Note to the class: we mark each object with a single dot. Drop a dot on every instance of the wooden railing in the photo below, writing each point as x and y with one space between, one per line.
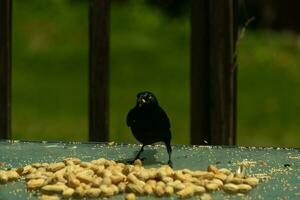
5 69
213 70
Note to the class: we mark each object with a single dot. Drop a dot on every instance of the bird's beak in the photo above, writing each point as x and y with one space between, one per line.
141 101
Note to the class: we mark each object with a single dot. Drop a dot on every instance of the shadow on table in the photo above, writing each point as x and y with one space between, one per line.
147 157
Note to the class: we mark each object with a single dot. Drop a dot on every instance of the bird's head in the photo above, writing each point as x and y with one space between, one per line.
146 99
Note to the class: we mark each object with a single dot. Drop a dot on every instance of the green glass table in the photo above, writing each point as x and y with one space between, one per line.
278 168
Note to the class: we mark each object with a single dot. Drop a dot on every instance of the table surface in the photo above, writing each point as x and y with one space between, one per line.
279 167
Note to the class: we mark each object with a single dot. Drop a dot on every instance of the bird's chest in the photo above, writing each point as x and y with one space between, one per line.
144 129
144 121
147 125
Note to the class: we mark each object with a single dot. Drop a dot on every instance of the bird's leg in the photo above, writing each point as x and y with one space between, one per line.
139 153
169 149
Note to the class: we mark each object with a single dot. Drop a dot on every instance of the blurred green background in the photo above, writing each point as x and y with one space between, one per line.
149 51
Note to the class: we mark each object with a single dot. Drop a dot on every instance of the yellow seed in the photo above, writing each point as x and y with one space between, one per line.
186 192
106 181
56 188
251 181
167 179
236 180
132 178
229 178
35 183
221 176
199 182
49 197
199 189
225 171
213 169
177 185
27 169
188 171
85 164
203 174
160 183
100 170
41 169
12 175
138 162
68 192
159 190
72 161
56 166
79 192
148 189
84 179
59 175
169 190
3 176
205 196
244 188
115 189
152 183
152 173
85 186
212 186
93 192
74 183
122 186
178 175
36 165
217 181
130 196
117 179
35 175
135 188
100 161
230 187
106 190
143 175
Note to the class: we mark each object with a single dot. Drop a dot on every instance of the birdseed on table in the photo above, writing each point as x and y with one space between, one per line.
105 178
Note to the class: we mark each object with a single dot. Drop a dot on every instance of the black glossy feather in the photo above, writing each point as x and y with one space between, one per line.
149 123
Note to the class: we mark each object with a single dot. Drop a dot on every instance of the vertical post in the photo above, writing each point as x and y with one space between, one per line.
235 66
5 69
200 129
98 70
222 71
215 71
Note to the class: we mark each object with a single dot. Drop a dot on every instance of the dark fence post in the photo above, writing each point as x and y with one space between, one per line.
5 69
213 72
200 122
98 70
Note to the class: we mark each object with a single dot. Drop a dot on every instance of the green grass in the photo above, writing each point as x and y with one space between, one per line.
49 71
268 108
148 52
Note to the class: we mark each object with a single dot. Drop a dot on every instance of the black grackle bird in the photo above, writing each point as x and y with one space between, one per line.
149 123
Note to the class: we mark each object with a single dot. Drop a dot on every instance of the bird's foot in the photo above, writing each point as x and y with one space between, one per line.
170 163
142 159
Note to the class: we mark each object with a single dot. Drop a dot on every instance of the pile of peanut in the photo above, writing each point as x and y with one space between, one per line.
104 178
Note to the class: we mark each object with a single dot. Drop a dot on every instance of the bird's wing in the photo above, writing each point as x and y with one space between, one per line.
164 119
130 117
